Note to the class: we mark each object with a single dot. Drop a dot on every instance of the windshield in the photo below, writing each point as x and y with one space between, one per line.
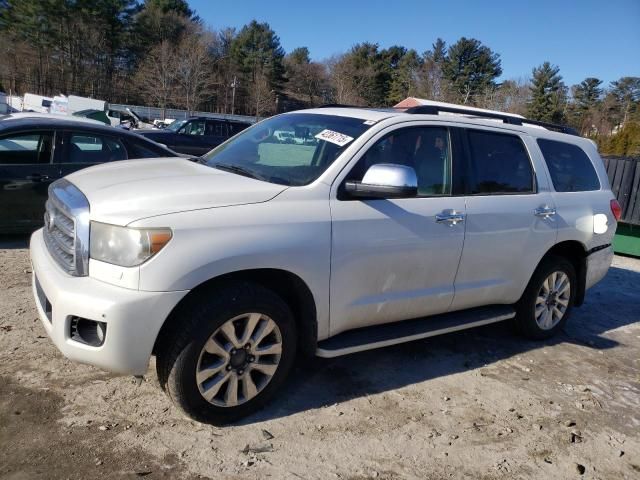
292 149
175 125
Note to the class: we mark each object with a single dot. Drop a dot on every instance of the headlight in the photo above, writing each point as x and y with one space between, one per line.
125 246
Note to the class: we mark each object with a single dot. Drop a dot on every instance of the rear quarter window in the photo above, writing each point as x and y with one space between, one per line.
569 166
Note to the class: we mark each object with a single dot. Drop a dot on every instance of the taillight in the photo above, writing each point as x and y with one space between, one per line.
616 209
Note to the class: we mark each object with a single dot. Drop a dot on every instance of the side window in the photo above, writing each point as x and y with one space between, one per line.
26 148
236 127
143 150
194 127
499 164
570 168
90 148
216 128
425 149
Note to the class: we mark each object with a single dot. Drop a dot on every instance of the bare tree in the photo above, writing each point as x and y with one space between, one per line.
194 69
156 78
344 79
262 96
510 96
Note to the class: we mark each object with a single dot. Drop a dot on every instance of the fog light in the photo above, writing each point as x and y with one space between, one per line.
88 331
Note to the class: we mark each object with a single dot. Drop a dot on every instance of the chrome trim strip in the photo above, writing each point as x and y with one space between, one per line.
394 341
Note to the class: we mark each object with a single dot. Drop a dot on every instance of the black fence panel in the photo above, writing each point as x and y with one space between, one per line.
624 176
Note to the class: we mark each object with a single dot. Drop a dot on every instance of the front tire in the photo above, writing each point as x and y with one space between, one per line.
227 353
546 304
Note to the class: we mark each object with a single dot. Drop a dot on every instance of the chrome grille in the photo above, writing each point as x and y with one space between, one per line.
59 235
66 227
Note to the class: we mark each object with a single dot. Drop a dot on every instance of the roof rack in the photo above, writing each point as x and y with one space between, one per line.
339 105
506 118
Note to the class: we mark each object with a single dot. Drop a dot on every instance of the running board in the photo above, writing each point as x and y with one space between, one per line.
368 338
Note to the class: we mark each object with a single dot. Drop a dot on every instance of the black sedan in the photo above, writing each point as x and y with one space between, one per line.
36 150
197 135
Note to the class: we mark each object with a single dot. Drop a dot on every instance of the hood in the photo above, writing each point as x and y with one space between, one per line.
125 191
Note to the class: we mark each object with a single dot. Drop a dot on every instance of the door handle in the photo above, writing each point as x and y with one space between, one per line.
450 217
36 177
544 211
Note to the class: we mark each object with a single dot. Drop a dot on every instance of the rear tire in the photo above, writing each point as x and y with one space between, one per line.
546 304
227 352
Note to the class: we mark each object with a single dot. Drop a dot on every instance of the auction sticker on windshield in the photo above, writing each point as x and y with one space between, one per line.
337 138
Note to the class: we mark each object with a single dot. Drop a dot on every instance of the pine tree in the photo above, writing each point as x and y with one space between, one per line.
404 77
587 93
471 67
258 55
548 94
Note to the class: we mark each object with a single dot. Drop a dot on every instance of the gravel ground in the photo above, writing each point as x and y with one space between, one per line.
477 404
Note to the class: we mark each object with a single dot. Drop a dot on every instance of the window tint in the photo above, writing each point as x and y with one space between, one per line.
26 148
144 150
499 164
89 148
570 168
425 149
216 129
194 127
236 127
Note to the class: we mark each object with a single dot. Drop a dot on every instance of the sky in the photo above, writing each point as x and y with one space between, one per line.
585 38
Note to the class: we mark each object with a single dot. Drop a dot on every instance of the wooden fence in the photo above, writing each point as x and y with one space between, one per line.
624 176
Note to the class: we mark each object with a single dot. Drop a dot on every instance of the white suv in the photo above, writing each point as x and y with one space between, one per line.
371 228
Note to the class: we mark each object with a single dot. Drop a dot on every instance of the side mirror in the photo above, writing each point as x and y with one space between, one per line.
385 180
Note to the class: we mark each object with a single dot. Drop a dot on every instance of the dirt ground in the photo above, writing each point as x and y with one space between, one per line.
479 404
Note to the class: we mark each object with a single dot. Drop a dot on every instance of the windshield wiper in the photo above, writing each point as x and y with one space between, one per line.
238 170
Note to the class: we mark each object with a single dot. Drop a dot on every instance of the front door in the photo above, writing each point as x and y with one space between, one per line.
26 171
191 138
510 222
215 133
396 259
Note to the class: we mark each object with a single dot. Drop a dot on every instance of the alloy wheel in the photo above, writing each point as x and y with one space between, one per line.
239 360
553 299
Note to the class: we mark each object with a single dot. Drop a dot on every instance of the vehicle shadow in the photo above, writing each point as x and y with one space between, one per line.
611 304
14 241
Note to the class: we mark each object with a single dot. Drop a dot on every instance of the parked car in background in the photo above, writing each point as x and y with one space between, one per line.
195 136
47 116
37 149
98 115
127 118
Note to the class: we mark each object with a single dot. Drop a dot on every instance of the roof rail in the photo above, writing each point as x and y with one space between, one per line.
506 118
339 105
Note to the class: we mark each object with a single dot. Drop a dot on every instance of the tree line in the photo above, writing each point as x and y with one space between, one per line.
160 53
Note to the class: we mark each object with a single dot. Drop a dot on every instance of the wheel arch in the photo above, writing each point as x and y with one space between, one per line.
576 253
289 286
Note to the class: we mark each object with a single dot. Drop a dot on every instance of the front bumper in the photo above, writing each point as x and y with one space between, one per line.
133 317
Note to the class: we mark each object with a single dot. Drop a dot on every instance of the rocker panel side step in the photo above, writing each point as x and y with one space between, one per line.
377 336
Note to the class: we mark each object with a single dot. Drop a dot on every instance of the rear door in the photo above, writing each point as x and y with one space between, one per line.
191 138
26 171
216 132
237 127
85 148
510 222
